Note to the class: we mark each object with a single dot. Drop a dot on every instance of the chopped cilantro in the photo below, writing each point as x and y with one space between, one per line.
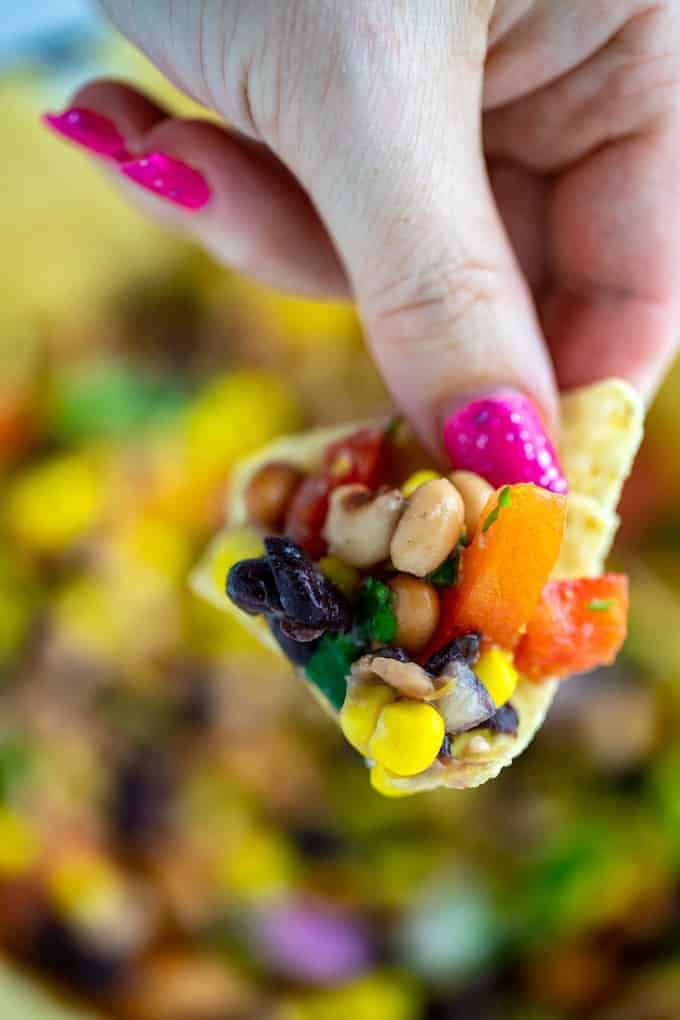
393 426
446 573
15 763
330 664
505 496
600 605
492 518
332 659
503 501
375 611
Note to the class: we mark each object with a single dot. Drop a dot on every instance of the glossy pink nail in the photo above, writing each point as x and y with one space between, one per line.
169 178
94 132
502 438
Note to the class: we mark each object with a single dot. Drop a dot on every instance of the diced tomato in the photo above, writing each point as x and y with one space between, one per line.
577 625
504 569
364 458
307 515
446 628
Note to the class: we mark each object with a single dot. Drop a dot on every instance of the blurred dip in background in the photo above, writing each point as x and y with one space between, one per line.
183 836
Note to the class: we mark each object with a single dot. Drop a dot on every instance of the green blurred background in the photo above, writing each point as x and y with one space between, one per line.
183 836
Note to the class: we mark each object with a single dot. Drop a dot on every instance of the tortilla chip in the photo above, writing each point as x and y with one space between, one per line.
304 451
588 538
532 702
602 431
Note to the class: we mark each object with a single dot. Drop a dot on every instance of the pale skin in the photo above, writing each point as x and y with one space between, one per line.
497 185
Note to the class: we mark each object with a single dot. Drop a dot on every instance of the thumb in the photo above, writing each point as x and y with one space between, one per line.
452 326
446 310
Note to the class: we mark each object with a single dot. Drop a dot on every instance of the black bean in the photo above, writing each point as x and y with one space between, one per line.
307 597
251 586
468 703
504 720
298 652
298 632
464 648
445 750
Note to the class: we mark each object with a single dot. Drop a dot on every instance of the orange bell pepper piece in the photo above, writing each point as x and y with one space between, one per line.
504 569
577 625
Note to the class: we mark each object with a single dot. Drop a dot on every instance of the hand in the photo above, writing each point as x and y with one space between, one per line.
496 184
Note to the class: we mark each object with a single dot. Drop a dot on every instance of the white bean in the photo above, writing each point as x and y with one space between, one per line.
476 493
429 528
360 524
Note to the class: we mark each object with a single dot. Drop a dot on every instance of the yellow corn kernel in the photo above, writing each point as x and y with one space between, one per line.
341 465
18 844
359 714
416 480
380 781
407 737
498 674
344 577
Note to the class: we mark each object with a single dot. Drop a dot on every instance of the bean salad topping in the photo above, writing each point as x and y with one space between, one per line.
361 647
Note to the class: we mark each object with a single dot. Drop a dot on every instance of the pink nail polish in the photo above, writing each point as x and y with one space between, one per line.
169 178
91 130
502 438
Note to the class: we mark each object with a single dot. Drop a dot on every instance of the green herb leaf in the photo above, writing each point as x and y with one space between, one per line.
15 763
505 496
503 501
492 518
375 611
446 573
393 426
600 605
329 666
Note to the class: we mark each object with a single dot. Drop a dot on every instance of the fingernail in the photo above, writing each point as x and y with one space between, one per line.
169 178
85 127
501 437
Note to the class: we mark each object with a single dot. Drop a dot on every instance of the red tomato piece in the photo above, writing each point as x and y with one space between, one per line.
576 626
307 515
363 458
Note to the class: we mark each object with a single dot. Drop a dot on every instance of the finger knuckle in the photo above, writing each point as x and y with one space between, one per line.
645 74
429 309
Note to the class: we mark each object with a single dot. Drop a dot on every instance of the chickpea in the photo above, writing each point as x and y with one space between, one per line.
360 524
476 493
416 608
270 492
429 528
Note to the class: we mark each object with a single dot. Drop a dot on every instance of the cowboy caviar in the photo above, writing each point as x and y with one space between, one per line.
415 606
